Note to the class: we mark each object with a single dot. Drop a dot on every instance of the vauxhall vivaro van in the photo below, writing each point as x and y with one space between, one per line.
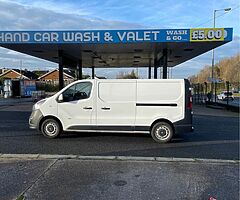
159 107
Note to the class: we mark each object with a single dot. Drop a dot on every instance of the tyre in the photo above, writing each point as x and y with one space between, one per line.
50 128
162 132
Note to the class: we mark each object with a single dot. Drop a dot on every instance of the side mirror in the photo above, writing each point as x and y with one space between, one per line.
60 98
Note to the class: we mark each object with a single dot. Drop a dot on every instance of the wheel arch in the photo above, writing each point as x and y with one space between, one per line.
49 117
163 120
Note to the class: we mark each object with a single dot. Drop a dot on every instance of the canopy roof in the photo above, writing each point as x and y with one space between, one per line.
117 48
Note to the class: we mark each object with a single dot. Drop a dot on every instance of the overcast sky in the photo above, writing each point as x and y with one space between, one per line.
113 14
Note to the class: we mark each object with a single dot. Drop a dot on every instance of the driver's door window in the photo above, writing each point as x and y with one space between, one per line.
77 91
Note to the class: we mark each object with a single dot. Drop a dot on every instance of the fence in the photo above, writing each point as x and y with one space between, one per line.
210 92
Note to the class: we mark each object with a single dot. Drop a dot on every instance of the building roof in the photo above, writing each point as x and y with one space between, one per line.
19 75
48 73
31 75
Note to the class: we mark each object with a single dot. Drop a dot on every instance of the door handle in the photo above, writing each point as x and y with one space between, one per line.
105 108
87 108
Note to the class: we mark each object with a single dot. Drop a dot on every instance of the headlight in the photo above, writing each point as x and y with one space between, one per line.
37 105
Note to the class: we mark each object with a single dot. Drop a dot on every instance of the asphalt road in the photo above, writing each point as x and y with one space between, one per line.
215 137
117 180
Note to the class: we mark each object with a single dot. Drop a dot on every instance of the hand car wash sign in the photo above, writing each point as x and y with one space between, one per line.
117 36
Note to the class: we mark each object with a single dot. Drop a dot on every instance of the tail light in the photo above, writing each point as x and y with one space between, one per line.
189 104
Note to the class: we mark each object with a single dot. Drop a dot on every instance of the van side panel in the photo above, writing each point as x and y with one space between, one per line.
116 103
50 107
159 99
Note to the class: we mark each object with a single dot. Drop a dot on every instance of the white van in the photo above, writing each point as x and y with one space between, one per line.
159 107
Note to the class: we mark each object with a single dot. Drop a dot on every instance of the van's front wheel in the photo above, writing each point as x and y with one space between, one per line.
50 128
162 132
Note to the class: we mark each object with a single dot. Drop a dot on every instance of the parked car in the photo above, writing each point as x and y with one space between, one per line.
224 95
236 90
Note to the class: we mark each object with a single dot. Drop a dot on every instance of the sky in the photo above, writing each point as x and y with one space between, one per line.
122 14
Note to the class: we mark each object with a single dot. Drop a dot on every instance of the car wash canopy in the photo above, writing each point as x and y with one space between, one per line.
117 48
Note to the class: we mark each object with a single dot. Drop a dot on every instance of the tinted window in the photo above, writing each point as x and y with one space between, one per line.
77 92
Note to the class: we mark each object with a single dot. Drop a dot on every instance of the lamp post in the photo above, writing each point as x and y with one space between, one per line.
214 23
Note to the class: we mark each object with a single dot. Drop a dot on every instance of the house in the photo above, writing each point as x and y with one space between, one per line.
13 74
53 76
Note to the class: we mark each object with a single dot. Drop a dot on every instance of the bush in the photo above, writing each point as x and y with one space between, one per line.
47 87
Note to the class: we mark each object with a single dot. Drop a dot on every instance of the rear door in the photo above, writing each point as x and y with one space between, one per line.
159 99
116 105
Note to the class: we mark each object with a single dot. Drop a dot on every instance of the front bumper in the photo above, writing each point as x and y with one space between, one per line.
35 119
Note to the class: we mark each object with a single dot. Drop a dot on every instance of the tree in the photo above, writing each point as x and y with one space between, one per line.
226 70
131 75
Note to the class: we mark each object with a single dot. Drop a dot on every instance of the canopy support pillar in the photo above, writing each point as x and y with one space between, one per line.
79 69
165 59
60 69
93 72
149 70
155 68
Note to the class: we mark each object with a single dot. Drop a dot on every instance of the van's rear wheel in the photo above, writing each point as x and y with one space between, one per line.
162 132
50 128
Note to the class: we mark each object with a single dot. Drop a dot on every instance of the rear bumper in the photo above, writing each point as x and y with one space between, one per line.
186 128
185 125
34 119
